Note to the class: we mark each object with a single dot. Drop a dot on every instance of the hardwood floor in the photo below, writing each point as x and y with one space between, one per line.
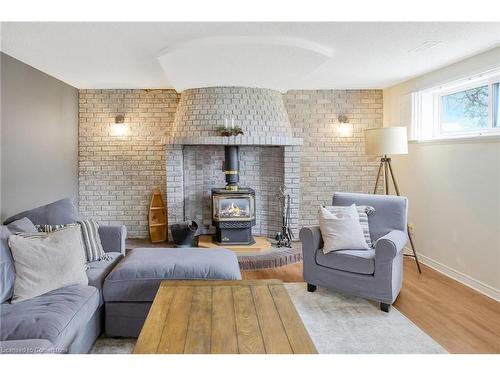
459 318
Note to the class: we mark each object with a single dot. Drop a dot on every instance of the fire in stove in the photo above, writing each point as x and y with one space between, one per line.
231 206
233 210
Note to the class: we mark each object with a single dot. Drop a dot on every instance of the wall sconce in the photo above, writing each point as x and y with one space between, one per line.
344 128
119 128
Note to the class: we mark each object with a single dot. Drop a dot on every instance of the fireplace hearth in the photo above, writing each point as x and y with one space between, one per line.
233 207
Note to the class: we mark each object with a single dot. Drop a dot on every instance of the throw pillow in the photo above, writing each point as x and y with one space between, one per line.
63 211
341 230
92 241
7 270
90 236
363 212
47 261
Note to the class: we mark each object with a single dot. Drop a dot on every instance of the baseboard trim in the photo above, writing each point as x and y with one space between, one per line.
477 285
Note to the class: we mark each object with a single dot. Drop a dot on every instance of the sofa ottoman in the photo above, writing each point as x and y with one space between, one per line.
130 288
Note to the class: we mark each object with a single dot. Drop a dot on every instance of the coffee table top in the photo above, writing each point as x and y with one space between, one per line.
246 317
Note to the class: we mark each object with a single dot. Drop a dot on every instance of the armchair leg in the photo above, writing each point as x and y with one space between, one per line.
311 288
385 307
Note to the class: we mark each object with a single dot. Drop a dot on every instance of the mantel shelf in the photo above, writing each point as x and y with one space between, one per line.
236 140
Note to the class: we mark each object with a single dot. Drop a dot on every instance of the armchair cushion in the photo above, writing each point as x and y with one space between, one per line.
356 261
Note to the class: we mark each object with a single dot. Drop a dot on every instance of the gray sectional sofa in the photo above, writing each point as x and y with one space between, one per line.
66 320
118 295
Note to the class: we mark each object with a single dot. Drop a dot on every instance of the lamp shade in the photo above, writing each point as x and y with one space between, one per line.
386 141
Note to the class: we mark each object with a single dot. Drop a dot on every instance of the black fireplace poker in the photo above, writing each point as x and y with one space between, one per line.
285 237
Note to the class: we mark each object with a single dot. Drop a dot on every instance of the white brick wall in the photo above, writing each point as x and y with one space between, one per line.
117 176
329 162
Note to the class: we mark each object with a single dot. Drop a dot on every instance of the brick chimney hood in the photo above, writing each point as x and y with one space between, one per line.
260 113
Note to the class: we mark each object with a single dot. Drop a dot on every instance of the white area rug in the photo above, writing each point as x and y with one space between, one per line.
349 325
338 324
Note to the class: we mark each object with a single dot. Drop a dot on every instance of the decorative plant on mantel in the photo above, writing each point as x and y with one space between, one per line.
227 131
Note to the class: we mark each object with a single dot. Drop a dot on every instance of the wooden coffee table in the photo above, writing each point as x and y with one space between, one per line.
253 316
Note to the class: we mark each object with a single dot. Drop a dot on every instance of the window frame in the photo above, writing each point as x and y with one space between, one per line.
427 108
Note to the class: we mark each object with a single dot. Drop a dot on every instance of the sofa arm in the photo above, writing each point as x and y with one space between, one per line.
311 239
113 238
35 346
390 245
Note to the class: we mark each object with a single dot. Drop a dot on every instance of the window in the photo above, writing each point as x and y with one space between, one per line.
465 108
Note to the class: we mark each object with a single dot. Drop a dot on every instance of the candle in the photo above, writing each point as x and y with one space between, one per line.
232 123
225 122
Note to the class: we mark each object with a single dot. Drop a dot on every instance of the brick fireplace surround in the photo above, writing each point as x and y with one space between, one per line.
270 156
182 154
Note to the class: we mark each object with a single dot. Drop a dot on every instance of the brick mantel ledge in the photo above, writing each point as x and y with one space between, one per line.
237 140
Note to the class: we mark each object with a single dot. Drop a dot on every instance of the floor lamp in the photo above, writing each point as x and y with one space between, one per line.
388 141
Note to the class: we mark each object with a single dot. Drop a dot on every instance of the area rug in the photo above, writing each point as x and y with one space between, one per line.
340 324
337 324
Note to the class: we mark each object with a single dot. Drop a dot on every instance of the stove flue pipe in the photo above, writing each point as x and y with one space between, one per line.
232 167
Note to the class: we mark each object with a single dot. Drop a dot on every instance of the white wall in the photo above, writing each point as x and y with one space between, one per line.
453 187
39 138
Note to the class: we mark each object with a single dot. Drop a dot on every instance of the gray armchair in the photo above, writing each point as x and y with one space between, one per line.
375 274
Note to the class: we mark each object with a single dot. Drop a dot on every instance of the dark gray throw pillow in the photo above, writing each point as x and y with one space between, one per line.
63 211
7 269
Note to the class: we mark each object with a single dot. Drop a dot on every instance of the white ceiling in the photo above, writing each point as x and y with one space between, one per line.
282 56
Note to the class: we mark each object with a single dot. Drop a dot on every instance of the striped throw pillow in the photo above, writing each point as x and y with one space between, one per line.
363 212
49 228
91 240
90 237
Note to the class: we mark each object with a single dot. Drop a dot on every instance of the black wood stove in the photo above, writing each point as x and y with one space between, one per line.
233 207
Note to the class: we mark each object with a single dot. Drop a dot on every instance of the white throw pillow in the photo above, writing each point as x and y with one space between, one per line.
363 212
47 261
341 230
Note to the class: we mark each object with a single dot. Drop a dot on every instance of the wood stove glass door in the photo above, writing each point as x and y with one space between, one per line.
233 208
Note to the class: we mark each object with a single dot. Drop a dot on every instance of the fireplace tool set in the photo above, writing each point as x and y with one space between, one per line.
285 237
